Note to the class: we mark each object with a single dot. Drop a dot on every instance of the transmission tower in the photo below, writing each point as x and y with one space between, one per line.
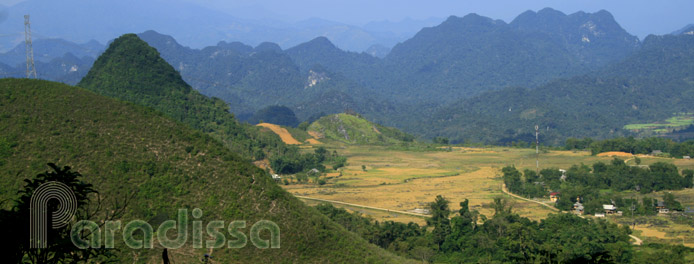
31 68
537 149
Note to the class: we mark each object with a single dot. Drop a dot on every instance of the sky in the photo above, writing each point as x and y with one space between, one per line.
638 17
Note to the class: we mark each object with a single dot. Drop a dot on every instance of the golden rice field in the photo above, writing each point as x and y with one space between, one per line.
399 180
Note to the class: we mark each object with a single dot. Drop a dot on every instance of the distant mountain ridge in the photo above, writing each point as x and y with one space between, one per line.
461 59
191 23
651 85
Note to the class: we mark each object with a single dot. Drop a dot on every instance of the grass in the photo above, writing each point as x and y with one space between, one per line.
124 150
677 121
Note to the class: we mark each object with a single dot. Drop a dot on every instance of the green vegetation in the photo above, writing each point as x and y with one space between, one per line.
601 184
126 150
59 249
675 122
353 129
132 71
276 114
468 237
648 86
633 146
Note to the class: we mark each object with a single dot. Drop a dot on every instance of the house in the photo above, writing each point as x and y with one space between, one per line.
578 208
609 208
276 177
686 157
661 208
656 152
599 214
554 196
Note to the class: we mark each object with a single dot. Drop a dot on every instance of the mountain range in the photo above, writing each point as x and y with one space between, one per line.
190 23
454 77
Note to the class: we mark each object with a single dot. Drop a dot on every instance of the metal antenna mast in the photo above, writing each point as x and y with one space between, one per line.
537 149
31 68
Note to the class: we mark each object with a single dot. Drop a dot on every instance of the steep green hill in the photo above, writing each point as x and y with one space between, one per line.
354 129
132 71
124 150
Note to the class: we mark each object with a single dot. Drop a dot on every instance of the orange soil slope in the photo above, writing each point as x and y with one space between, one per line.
283 133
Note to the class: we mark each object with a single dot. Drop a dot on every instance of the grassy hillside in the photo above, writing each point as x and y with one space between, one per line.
132 71
124 149
353 129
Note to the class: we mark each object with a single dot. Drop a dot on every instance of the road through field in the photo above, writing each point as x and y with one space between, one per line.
637 241
363 206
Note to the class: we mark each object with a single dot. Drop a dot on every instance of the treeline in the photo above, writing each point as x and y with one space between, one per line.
292 161
466 236
633 146
587 184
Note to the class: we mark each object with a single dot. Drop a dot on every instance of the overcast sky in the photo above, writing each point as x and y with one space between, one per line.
639 17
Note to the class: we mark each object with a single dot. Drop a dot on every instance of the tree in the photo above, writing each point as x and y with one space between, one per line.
59 248
688 181
439 219
671 203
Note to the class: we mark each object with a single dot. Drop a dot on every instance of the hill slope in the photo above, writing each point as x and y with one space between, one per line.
653 84
125 149
356 130
132 71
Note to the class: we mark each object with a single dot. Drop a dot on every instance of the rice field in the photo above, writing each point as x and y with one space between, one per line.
400 180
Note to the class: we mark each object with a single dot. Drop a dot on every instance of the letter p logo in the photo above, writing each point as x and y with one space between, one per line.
38 210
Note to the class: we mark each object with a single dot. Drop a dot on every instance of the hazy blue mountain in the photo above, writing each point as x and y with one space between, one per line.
46 50
685 30
321 51
378 51
595 39
406 27
464 56
191 24
649 86
67 69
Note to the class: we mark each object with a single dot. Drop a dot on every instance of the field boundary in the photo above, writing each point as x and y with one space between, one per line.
363 206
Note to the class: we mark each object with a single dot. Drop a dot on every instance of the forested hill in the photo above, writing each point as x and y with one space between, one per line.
126 150
354 129
651 85
464 56
132 71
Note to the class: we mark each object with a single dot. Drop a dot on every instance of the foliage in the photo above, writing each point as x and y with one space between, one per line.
650 85
125 149
276 114
59 248
632 145
353 129
505 237
584 184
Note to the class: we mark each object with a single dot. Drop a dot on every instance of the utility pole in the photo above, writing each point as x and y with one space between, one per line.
31 68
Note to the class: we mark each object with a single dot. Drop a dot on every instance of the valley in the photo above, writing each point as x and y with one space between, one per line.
398 183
